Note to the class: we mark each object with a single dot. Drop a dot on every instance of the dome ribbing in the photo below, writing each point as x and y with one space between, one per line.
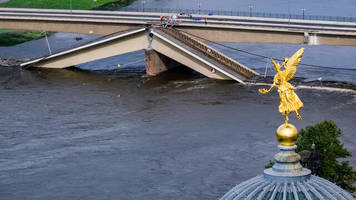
313 188
287 180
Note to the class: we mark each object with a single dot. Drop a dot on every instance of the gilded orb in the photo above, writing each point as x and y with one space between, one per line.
287 134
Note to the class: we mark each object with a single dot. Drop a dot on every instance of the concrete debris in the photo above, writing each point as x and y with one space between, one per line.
9 62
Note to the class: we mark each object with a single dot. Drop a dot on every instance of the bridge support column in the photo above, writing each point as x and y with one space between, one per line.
157 63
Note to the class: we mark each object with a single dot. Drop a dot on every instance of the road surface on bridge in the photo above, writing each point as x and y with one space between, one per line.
106 22
144 18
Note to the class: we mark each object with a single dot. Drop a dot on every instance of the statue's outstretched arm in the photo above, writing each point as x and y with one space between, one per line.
264 91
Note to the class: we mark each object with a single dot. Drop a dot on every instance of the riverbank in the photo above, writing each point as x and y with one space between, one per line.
60 4
13 37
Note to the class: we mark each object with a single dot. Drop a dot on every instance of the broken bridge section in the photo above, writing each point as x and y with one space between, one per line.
164 48
111 45
189 51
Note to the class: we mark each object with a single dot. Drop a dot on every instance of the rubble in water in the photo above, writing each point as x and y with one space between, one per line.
9 62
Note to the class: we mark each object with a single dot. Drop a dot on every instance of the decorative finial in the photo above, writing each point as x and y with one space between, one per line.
287 134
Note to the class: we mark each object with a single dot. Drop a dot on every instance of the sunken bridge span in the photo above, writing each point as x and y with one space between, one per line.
165 48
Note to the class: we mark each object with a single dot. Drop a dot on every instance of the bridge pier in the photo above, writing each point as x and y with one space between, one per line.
157 63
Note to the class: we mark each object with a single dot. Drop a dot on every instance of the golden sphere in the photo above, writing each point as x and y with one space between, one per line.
287 134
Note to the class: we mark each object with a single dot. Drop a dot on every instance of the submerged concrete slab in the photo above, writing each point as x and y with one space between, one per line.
165 49
120 44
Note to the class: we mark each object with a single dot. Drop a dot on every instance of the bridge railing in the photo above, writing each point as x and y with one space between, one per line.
112 6
242 14
208 51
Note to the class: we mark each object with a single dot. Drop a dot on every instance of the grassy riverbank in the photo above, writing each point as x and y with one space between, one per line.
13 37
59 4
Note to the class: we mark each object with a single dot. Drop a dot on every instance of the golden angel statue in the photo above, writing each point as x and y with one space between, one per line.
289 101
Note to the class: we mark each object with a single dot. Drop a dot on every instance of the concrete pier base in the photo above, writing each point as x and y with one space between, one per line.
157 63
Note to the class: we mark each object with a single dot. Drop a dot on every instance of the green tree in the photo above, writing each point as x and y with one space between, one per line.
322 141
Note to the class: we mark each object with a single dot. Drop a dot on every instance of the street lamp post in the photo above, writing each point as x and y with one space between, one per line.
289 15
143 6
303 10
199 6
70 5
250 7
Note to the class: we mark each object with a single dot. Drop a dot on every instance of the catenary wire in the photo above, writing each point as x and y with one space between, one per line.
263 56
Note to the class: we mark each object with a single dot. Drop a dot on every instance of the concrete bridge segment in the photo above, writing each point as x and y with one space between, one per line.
163 51
218 28
128 41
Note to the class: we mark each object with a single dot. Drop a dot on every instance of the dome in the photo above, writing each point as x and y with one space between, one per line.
287 180
313 188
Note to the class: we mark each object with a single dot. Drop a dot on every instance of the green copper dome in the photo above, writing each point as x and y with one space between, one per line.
287 180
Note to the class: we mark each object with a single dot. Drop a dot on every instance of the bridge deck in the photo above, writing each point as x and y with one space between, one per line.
217 28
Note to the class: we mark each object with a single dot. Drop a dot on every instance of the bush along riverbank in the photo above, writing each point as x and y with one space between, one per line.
13 37
114 5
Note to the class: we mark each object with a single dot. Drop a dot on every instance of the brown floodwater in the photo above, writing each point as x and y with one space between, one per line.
73 134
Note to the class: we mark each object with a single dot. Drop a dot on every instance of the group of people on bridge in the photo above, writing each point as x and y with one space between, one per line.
170 21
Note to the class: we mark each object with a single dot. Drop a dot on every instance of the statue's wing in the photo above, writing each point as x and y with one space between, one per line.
277 67
292 63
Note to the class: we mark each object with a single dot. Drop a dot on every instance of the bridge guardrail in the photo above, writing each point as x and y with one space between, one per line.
242 14
49 5
211 53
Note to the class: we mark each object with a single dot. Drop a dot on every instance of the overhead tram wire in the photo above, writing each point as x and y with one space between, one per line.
266 57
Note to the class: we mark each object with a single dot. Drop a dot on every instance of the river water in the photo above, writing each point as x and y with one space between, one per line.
102 132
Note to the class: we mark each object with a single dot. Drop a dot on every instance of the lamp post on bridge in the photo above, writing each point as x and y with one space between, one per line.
70 5
303 10
199 4
143 6
250 7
